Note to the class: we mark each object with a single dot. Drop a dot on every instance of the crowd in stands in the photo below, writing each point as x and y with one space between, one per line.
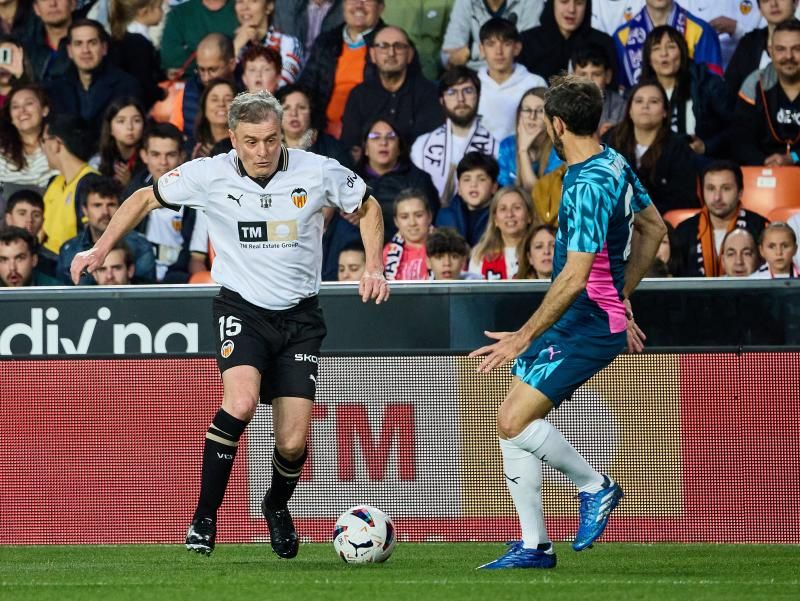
437 104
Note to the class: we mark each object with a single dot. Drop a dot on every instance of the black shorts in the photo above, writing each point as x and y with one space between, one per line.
283 345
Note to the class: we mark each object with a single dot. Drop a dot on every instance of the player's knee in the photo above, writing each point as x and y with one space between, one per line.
291 447
507 425
242 407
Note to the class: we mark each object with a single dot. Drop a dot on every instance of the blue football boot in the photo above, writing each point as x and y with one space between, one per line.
595 509
518 556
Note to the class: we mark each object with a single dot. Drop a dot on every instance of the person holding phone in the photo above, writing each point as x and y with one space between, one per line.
12 66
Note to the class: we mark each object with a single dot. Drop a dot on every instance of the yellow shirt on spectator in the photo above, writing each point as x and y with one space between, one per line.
60 216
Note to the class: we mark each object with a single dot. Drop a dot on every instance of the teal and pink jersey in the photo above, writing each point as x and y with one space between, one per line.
599 200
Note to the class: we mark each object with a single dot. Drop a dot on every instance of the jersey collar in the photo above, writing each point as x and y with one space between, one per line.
283 165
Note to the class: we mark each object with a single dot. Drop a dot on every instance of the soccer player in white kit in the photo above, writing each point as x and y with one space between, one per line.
264 204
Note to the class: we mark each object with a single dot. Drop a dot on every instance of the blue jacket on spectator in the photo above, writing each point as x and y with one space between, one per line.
507 159
470 224
338 234
143 257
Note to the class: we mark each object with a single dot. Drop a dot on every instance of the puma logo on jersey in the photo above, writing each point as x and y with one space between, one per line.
238 200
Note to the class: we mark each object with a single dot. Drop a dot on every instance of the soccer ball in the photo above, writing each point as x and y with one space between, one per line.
364 534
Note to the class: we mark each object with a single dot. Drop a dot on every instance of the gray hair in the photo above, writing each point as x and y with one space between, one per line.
254 107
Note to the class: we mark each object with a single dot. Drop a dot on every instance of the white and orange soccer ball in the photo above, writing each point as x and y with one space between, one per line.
364 534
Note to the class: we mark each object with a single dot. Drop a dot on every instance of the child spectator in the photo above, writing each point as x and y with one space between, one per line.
468 212
404 256
739 253
537 261
593 63
503 80
777 246
497 254
447 253
460 45
120 140
256 28
261 68
352 262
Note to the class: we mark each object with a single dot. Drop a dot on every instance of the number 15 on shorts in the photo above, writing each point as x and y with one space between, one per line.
229 326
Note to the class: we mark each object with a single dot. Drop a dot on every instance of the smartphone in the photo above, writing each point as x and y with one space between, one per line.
5 56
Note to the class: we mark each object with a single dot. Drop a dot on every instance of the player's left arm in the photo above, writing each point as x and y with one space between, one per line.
562 293
373 284
648 231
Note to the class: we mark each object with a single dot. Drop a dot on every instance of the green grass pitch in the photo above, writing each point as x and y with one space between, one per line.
416 572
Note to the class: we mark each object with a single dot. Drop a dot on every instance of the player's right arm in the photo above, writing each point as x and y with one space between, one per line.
130 213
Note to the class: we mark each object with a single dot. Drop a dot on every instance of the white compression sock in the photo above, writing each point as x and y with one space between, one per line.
523 472
542 439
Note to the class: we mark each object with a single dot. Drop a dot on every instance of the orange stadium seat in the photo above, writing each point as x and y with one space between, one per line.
768 188
676 216
201 277
783 213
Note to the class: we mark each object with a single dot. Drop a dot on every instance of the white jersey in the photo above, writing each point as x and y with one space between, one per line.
608 15
744 12
165 231
268 239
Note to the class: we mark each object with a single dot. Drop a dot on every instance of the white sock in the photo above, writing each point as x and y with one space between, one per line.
523 473
542 439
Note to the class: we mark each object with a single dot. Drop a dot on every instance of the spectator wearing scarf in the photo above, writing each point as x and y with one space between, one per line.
700 237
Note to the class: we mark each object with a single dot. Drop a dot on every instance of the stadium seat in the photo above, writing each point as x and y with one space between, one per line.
676 216
768 188
201 277
783 213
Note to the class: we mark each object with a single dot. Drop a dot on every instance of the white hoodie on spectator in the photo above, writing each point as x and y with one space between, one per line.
498 103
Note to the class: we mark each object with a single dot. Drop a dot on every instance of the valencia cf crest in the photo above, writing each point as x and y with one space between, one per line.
299 197
745 6
266 201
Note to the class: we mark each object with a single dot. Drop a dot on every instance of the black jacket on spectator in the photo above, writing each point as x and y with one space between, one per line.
712 106
46 65
291 18
546 52
67 94
674 183
192 92
752 137
386 187
137 56
320 70
413 109
686 240
328 146
746 59
24 21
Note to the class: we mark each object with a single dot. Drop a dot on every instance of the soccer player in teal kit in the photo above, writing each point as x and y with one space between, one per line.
608 235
